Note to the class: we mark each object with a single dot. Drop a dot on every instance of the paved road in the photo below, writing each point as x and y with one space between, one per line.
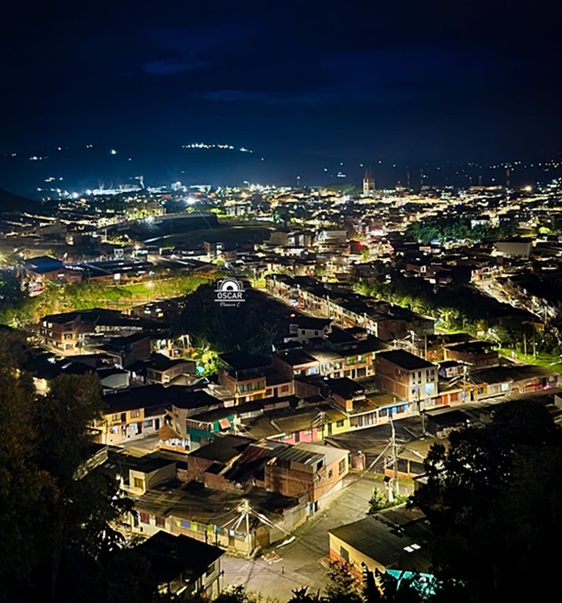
299 563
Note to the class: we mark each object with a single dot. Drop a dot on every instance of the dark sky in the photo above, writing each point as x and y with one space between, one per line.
404 80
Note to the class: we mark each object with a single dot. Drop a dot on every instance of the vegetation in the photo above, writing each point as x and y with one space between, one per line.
345 189
227 329
68 297
436 228
58 543
205 356
455 306
494 501
378 502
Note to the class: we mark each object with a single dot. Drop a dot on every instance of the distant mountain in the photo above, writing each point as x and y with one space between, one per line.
11 203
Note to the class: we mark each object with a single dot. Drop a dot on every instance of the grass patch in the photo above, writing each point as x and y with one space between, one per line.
551 361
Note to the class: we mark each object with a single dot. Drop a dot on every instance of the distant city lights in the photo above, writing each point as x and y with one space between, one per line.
204 145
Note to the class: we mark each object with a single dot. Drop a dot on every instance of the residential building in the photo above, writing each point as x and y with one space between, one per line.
309 470
181 566
408 376
394 539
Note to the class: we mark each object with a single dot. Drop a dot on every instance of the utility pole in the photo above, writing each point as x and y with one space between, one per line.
394 481
246 510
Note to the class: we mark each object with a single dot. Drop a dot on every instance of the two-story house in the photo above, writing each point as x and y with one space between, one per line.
408 376
309 470
244 375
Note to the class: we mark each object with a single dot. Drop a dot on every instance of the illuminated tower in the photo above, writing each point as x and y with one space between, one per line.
368 183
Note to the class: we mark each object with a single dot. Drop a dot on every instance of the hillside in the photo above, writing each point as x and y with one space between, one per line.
11 203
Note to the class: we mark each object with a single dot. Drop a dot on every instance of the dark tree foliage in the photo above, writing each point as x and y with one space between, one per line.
457 229
342 585
57 543
458 306
227 328
494 500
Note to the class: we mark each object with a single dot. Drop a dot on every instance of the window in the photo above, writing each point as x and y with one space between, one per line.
340 423
330 474
210 570
145 517
344 554
116 418
139 483
341 467
135 413
185 523
148 423
284 388
161 522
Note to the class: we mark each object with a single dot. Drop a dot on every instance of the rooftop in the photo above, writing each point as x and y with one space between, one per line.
169 556
394 540
405 360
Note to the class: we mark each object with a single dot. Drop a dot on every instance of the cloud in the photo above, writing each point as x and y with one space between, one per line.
172 66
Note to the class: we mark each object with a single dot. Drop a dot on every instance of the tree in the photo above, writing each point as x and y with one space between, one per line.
342 585
494 501
57 519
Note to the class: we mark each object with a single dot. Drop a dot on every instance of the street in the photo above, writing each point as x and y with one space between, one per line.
299 563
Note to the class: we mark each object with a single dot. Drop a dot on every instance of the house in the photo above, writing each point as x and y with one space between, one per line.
238 520
129 349
244 375
45 367
304 328
132 414
185 426
295 363
408 376
393 539
309 423
139 474
161 369
309 470
43 268
479 354
346 393
181 566
513 379
207 462
62 331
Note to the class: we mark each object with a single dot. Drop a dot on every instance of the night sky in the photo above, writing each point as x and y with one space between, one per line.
404 81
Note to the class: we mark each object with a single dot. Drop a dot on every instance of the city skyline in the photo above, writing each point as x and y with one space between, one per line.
405 83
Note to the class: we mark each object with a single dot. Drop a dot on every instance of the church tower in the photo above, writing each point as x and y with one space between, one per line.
368 183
